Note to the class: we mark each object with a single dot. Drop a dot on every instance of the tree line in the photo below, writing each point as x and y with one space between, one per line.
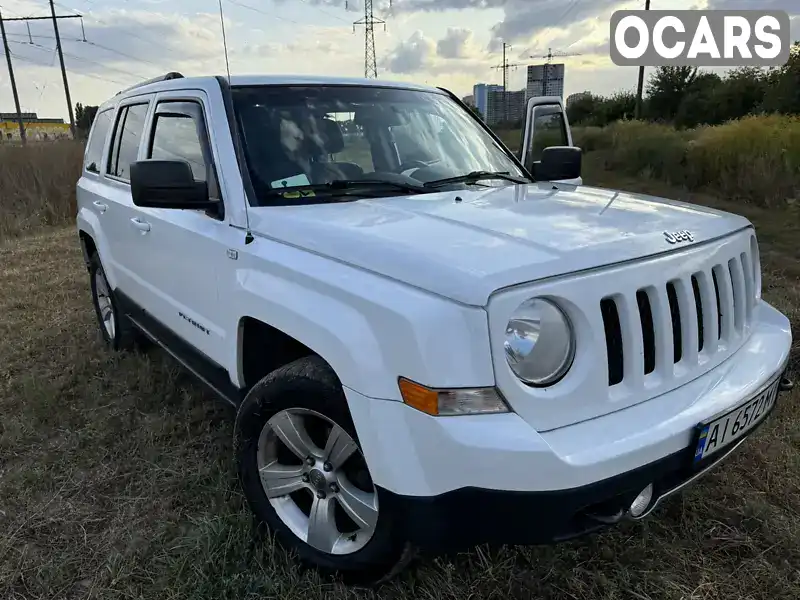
687 97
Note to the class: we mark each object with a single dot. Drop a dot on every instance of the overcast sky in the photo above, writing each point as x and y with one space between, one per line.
450 43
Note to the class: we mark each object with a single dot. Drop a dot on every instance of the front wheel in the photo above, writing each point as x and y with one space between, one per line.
305 476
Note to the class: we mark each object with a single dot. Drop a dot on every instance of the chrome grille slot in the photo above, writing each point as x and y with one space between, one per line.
698 303
667 330
749 287
717 302
648 331
675 317
722 279
738 289
614 347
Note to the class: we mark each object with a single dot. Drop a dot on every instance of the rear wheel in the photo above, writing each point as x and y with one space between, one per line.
305 476
116 329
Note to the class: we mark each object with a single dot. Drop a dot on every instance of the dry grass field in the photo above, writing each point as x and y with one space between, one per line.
117 480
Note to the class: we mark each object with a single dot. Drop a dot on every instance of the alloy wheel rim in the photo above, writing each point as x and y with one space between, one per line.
316 479
104 304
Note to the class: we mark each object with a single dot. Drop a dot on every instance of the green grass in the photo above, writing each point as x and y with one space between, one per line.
754 160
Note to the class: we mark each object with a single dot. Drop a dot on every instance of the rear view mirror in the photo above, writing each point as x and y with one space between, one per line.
168 184
558 163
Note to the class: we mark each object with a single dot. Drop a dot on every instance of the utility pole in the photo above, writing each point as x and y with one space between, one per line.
55 19
505 67
640 86
369 21
13 82
63 70
505 84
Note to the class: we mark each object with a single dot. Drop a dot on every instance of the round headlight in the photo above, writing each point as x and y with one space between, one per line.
540 343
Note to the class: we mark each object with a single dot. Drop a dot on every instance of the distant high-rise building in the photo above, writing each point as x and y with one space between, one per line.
505 107
469 99
481 93
545 80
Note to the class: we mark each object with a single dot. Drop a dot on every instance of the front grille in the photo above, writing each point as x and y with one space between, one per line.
677 323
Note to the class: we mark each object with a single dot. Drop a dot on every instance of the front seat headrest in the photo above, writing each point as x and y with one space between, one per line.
332 138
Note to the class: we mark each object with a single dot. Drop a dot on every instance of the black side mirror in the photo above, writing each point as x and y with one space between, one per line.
168 184
558 162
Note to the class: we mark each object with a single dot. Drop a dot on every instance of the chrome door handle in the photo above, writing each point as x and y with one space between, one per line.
142 226
100 206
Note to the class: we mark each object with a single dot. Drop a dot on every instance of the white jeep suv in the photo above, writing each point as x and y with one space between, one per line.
430 342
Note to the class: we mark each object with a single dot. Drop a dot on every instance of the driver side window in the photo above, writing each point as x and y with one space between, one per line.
549 129
179 133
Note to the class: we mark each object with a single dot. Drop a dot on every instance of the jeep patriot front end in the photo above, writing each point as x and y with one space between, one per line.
429 341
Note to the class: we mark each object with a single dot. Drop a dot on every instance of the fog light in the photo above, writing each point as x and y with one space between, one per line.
642 501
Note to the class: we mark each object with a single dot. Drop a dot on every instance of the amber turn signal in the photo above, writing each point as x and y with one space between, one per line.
419 396
450 403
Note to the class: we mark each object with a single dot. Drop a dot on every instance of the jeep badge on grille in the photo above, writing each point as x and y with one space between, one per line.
679 236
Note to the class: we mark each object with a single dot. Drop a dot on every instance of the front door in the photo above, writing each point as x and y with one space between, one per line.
183 252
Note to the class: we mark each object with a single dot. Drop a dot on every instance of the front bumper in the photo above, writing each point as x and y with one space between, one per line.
470 516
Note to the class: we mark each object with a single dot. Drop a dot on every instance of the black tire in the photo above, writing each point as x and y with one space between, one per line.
309 383
125 335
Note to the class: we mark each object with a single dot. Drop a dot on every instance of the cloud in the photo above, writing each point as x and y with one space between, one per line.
411 55
522 18
525 18
128 45
456 43
790 6
442 5
348 5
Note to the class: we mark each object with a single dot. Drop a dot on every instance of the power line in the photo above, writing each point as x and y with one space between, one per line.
566 12
79 41
262 12
320 9
121 53
42 37
40 64
80 58
54 18
123 31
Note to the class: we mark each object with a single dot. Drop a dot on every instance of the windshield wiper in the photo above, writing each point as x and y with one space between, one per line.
355 184
343 187
474 177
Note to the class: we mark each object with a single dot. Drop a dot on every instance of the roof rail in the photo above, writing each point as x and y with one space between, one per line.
167 77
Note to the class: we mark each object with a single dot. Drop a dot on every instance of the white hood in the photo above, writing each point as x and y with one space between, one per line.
491 238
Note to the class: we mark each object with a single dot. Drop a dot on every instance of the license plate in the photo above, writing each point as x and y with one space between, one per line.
733 425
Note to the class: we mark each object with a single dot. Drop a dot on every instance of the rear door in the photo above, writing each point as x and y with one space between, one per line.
121 214
546 125
94 207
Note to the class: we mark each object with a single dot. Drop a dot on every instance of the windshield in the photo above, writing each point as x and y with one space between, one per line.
302 137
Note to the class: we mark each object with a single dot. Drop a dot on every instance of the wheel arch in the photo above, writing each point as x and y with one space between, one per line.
88 246
92 239
262 348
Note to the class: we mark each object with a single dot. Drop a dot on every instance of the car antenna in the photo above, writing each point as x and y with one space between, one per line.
248 237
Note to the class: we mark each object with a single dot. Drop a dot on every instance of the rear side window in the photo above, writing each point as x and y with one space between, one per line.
127 136
94 149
